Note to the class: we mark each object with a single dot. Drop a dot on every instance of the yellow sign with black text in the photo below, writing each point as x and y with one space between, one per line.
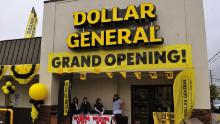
165 57
163 117
107 37
31 25
66 97
184 95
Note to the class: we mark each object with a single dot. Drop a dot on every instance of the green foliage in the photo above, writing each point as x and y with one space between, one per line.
213 92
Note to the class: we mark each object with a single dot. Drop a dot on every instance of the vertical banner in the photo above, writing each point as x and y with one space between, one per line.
31 25
64 100
184 95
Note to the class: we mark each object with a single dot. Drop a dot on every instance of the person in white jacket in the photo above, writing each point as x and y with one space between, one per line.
117 108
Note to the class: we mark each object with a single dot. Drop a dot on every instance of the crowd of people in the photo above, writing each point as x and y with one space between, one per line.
85 107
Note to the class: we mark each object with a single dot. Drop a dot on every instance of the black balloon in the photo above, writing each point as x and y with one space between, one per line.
9 87
36 103
40 102
31 101
11 91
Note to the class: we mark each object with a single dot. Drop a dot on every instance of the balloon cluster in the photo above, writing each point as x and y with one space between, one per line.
37 92
8 88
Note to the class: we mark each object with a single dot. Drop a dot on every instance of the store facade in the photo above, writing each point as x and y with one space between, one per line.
144 40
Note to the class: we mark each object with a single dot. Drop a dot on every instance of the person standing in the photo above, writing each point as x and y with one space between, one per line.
99 108
74 106
85 107
117 108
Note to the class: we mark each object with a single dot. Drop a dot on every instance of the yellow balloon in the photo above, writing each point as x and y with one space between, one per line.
13 87
8 83
4 87
6 91
38 91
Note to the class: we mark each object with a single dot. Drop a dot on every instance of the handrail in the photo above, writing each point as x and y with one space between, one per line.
11 113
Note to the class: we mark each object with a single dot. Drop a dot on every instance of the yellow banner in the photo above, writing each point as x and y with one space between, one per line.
66 97
184 95
124 74
140 59
31 25
110 74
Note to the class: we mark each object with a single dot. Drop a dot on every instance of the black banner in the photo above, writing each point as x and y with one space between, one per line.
64 100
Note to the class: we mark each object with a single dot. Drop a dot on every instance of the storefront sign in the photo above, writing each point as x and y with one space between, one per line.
106 28
166 57
115 36
144 11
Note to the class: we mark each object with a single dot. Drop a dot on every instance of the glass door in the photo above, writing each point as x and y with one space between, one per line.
148 99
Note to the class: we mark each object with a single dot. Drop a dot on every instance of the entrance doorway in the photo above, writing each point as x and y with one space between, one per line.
147 99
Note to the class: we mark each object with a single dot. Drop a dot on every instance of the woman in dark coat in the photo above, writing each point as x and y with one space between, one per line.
74 106
99 108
